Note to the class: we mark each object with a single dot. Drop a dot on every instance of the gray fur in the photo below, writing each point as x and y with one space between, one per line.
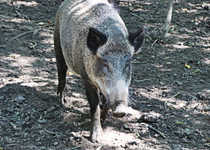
111 77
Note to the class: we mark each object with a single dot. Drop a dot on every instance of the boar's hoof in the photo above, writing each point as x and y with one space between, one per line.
62 99
96 135
119 112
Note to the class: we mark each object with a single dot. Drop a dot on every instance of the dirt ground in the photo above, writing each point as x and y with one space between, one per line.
169 92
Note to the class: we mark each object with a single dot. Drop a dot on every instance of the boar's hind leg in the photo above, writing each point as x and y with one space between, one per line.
61 66
93 99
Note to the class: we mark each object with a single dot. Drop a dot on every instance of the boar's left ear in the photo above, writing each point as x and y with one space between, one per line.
95 39
137 39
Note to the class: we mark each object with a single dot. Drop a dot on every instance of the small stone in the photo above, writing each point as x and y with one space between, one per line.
177 147
164 94
156 135
164 126
20 99
187 131
132 143
41 132
150 118
178 132
203 96
27 119
38 139
179 83
25 135
42 121
1 98
202 81
10 109
51 109
207 108
55 143
126 127
71 138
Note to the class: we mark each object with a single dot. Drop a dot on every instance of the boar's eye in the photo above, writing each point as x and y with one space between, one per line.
127 68
105 67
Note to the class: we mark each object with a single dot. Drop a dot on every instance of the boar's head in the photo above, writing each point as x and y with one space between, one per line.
110 66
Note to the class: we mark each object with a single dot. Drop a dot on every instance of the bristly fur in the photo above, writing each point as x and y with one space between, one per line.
91 39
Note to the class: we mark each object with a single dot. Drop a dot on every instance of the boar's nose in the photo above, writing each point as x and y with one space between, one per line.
119 109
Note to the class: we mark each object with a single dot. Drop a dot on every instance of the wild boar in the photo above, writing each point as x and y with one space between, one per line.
91 39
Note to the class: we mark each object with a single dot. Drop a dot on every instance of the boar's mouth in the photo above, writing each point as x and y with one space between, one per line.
118 109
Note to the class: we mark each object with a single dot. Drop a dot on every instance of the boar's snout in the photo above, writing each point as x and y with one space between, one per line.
119 109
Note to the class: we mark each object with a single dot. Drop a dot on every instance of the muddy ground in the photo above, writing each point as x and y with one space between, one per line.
169 92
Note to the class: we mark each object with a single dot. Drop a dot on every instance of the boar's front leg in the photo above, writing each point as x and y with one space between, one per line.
105 105
93 99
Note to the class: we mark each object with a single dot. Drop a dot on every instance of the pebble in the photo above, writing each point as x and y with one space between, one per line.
10 109
179 83
42 121
150 118
187 131
207 108
1 98
38 139
20 99
41 132
164 126
203 96
55 143
27 119
202 81
177 147
25 135
178 132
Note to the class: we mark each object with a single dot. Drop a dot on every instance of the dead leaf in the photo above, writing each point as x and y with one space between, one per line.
187 66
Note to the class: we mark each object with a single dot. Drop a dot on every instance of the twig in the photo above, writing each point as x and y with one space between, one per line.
168 20
52 133
75 147
20 111
137 16
148 37
143 80
32 45
154 42
9 145
165 103
116 128
195 71
156 130
175 95
20 35
137 62
99 147
18 13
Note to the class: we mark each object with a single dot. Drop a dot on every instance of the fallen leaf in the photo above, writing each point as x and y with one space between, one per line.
69 73
184 9
187 66
43 24
13 125
195 71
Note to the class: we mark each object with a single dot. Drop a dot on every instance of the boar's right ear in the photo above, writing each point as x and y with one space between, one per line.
95 39
137 39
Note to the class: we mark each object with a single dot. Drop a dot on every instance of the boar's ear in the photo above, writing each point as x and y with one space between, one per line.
137 39
95 39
